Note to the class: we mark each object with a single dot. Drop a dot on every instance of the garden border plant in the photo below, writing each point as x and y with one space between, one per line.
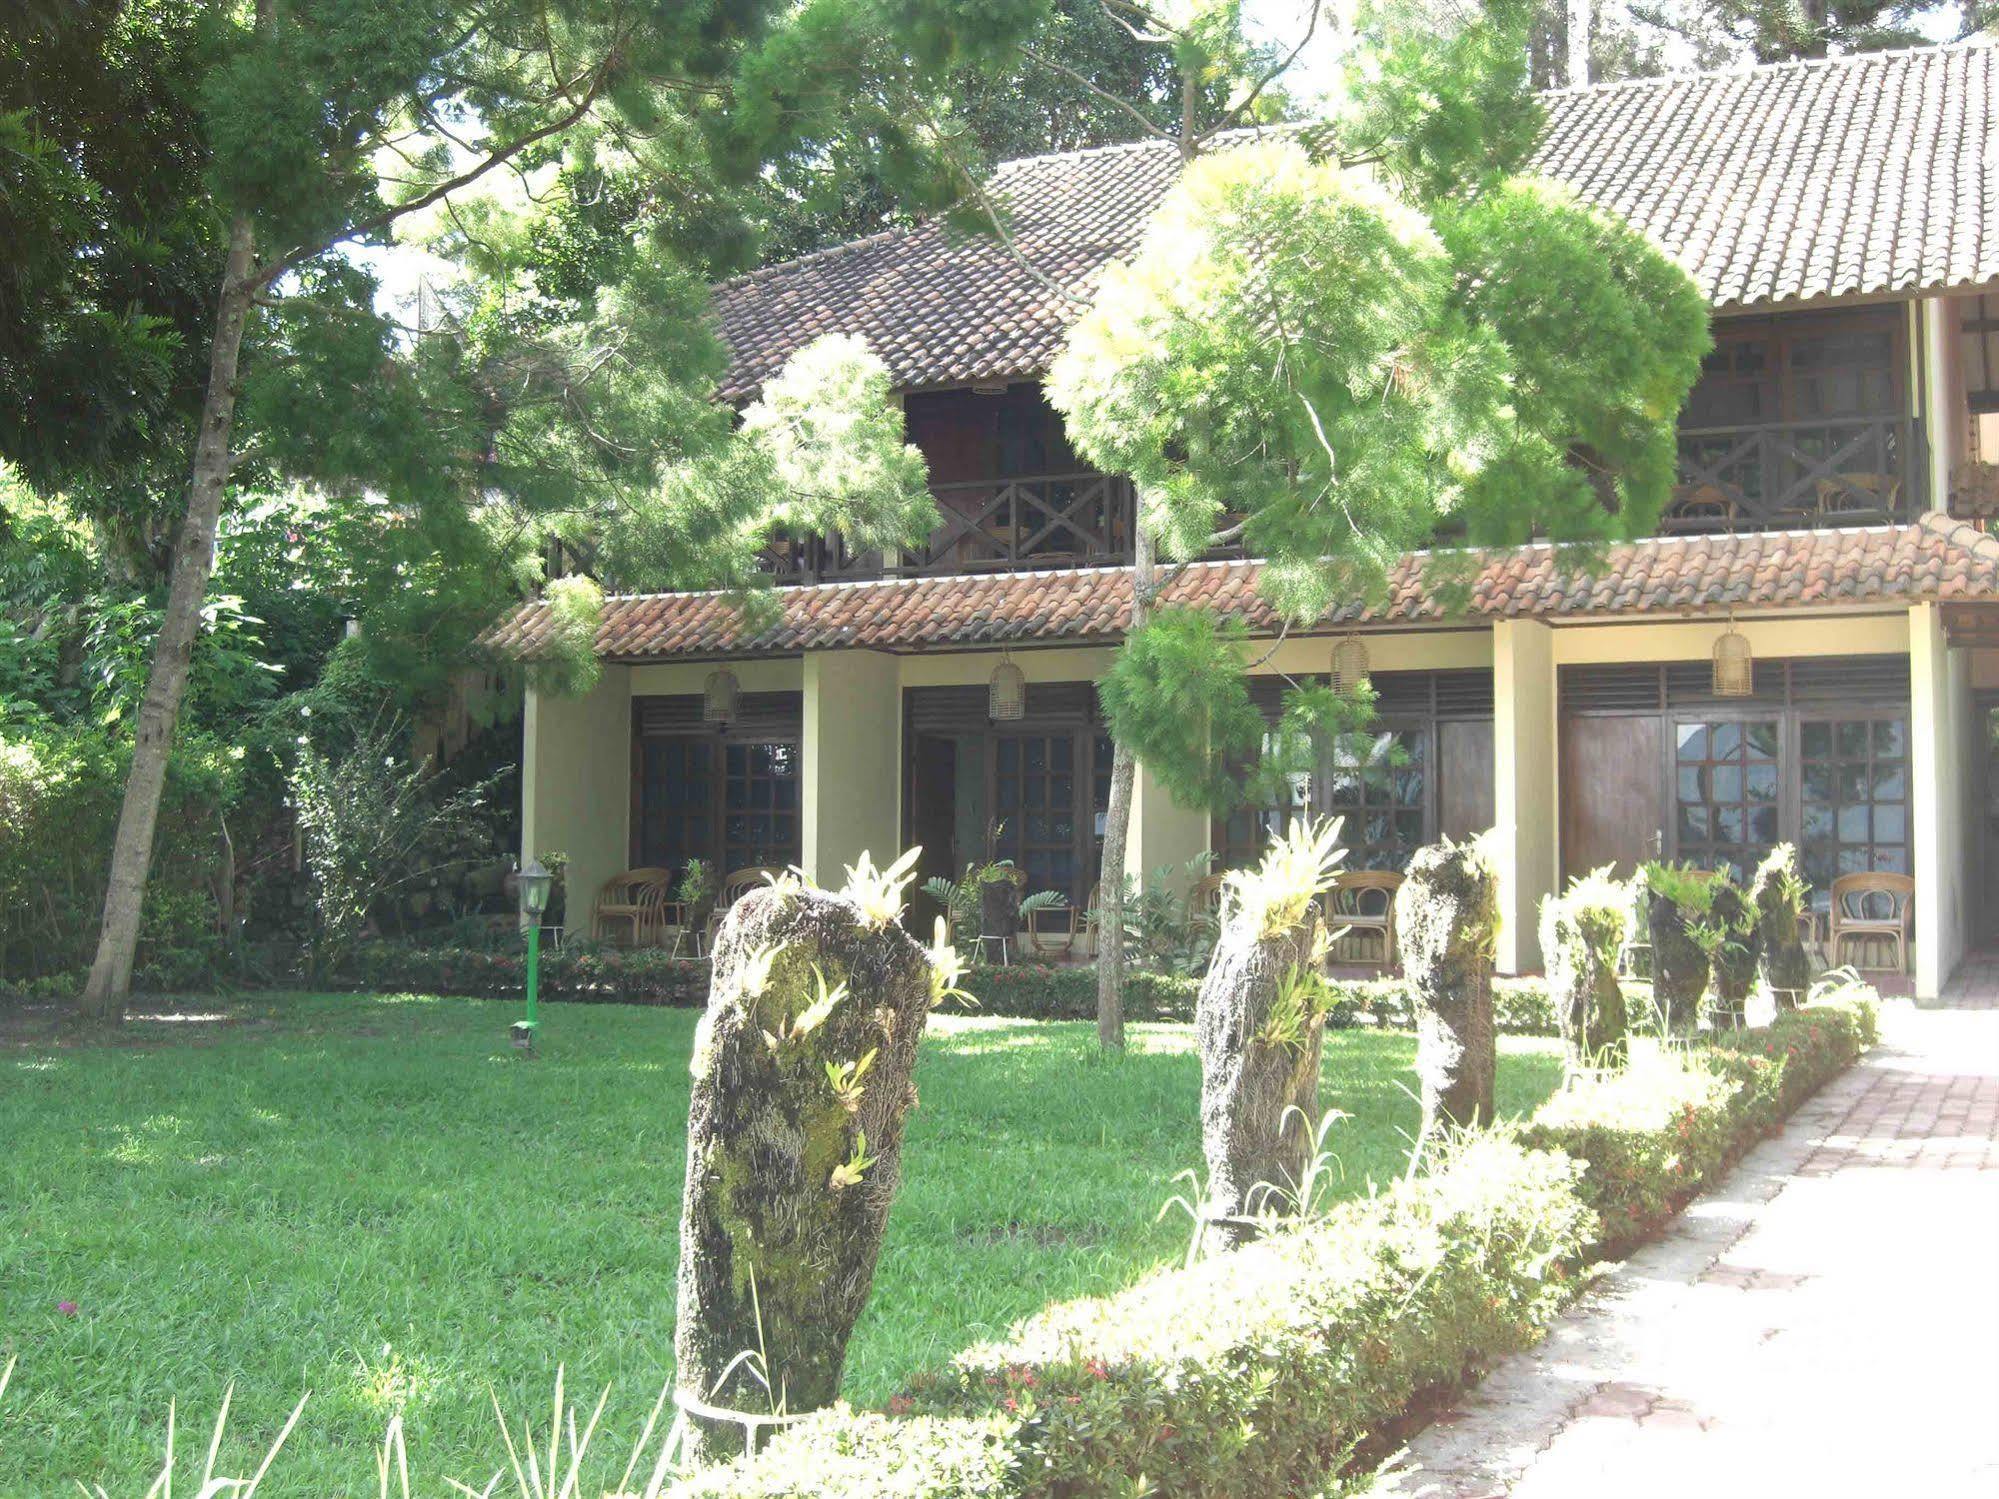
1258 1371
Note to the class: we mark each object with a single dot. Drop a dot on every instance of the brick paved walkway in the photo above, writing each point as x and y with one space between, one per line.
1825 1324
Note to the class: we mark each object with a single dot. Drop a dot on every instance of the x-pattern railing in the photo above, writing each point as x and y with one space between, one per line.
1856 471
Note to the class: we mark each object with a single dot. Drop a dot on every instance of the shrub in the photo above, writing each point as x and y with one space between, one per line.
1250 1373
1652 1135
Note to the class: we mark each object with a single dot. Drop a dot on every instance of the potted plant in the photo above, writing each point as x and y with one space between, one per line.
696 892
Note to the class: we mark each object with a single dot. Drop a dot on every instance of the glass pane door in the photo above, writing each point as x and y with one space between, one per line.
1854 784
1377 783
676 802
760 806
1035 786
1725 792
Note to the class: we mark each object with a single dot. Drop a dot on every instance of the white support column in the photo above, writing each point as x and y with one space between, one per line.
1939 710
852 764
1525 785
576 786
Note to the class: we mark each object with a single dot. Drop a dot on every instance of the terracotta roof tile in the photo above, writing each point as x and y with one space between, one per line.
1935 558
1838 177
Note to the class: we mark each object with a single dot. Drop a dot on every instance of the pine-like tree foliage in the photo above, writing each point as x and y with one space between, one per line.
1352 335
1446 924
1582 931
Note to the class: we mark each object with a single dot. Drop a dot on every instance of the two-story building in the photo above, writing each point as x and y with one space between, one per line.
1842 218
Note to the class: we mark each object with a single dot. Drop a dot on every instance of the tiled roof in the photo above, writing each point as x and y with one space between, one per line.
1847 176
1935 558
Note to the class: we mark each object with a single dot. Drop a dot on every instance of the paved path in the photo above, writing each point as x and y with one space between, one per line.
1824 1324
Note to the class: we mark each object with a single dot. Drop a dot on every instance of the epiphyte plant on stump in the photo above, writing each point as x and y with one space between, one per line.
1681 899
1447 924
1729 936
802 1072
1582 932
1259 1022
1778 893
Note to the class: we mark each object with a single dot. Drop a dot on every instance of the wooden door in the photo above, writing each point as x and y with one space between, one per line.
1612 810
1464 778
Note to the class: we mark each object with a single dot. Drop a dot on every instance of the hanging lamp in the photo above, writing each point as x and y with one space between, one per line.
1006 694
1734 663
1349 664
720 698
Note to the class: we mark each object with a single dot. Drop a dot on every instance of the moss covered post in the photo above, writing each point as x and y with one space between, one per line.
1731 938
1259 1022
1447 925
802 1079
1582 932
1779 893
1677 908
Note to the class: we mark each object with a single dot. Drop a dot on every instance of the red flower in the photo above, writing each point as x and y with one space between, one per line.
900 1405
67 1308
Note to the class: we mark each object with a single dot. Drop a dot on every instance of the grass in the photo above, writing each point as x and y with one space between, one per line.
374 1199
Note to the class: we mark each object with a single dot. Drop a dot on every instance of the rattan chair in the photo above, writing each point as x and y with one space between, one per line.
1363 902
1054 931
735 885
1873 906
636 897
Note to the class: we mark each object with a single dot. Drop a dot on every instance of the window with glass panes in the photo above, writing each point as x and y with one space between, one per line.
1034 784
1853 781
1726 791
1375 782
677 802
759 806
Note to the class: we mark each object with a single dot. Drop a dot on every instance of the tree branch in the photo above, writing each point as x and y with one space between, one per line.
1106 95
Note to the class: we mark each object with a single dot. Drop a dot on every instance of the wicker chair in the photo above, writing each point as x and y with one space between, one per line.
735 885
1704 507
636 897
1054 931
1363 902
1872 495
1874 906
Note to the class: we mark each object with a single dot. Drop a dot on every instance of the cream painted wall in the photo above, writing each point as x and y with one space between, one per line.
576 785
1771 637
1940 727
1525 771
852 764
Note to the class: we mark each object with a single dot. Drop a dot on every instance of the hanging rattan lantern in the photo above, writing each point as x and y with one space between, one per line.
1734 664
1006 695
720 697
1349 664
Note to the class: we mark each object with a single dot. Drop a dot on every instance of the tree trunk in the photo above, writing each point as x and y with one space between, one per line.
1259 1061
1117 828
780 1224
1447 924
1679 967
103 997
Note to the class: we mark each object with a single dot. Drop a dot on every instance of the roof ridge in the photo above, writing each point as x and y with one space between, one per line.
1782 65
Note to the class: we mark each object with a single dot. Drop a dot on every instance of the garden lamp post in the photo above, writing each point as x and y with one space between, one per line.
534 882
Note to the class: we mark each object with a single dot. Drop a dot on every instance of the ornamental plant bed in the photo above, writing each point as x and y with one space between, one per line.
1024 991
1263 1370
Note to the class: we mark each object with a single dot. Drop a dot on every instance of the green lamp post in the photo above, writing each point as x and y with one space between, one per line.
533 882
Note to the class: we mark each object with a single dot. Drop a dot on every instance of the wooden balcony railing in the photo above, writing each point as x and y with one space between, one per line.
1861 471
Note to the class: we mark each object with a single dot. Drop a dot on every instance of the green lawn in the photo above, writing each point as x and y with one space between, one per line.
374 1199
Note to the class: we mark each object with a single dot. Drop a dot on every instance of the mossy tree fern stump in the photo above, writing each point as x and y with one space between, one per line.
1679 904
1447 925
1582 932
794 1145
1733 964
1779 893
1259 1022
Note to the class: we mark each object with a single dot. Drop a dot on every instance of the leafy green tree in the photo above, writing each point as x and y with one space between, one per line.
1331 343
577 164
1722 31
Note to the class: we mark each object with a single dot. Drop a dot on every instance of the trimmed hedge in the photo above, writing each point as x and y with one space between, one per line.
1654 1134
1250 1373
585 974
1257 1372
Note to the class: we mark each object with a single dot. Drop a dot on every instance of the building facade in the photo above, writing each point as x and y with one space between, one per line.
1837 475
